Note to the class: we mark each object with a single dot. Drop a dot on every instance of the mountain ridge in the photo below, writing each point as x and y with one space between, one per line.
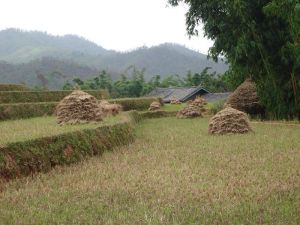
27 52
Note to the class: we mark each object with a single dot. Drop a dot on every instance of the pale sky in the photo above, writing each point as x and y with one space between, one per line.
113 24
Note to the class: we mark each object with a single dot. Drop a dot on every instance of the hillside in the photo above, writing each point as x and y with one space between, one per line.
25 53
17 46
46 71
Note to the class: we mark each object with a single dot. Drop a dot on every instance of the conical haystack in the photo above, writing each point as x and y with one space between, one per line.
190 111
245 98
229 120
78 107
154 106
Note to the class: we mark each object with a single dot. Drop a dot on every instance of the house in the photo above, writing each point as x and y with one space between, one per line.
184 94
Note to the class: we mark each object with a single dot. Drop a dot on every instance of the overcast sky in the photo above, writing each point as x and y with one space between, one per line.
114 24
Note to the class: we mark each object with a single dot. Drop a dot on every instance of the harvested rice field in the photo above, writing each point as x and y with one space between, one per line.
174 173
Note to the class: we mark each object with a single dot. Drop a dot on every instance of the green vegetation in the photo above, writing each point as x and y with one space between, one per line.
260 40
133 84
13 87
43 96
175 173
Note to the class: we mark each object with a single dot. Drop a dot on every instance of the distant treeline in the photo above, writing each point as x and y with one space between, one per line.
133 84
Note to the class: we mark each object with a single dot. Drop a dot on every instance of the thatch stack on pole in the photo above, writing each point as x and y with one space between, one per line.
245 99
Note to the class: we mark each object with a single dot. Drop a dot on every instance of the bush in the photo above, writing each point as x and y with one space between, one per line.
42 96
13 87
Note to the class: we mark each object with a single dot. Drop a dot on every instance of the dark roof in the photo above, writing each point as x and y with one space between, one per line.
214 97
179 93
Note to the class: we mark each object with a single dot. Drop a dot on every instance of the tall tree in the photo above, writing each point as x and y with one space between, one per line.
260 39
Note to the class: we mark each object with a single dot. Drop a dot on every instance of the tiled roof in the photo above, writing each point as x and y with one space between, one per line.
178 93
214 97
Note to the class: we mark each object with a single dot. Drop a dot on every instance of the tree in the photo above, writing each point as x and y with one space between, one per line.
260 40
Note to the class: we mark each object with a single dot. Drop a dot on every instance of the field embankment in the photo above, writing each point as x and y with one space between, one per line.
35 109
37 145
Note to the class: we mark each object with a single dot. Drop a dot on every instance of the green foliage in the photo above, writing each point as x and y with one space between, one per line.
43 96
260 39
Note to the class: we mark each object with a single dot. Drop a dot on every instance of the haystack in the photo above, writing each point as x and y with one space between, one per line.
78 107
229 120
175 102
245 99
109 109
154 106
199 101
190 111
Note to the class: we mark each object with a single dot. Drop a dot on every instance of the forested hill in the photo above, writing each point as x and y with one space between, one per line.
29 53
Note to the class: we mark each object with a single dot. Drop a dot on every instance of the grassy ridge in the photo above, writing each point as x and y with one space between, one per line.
7 97
13 87
174 173
48 145
28 110
135 103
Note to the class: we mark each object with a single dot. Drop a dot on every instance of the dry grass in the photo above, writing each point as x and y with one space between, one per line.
175 173
26 129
